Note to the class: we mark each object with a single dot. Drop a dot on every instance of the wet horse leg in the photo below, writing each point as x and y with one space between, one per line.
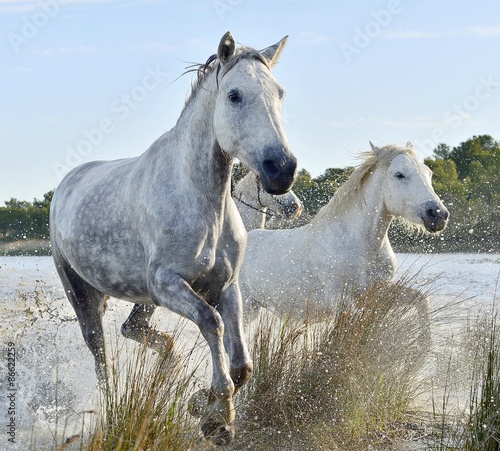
137 328
230 308
88 304
169 290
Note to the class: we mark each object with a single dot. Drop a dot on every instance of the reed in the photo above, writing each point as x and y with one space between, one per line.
144 405
336 380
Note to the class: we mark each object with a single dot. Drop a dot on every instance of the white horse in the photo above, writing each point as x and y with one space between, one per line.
162 229
254 203
346 243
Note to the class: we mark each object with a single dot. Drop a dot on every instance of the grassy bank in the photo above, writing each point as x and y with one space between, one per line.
348 380
345 382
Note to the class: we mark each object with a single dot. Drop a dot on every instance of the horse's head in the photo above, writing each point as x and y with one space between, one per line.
247 118
288 204
409 193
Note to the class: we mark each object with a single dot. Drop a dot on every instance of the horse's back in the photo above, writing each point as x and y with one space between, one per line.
288 269
91 196
91 230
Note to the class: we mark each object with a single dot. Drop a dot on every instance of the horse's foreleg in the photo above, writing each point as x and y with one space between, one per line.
231 309
136 327
169 290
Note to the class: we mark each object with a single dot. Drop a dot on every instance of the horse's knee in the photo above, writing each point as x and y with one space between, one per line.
241 375
212 325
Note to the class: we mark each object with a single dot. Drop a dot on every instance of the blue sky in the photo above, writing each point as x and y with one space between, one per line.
98 79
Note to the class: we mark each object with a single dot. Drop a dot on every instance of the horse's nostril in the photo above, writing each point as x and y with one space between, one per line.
431 213
271 167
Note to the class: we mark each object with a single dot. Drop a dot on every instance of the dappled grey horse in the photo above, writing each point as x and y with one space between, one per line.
253 204
162 229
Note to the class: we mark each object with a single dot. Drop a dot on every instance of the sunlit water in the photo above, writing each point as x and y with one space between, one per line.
55 379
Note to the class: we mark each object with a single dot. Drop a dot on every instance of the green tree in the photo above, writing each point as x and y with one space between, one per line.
21 220
239 171
482 149
442 151
445 179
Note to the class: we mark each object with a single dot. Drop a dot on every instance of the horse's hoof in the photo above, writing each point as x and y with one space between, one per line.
219 434
198 403
161 342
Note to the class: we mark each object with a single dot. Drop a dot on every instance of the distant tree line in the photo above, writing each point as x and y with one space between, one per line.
20 219
466 177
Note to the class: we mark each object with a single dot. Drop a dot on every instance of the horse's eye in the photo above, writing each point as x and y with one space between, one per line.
399 176
234 96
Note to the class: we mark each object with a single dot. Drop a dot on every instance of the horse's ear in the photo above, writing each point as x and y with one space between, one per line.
227 47
374 147
273 52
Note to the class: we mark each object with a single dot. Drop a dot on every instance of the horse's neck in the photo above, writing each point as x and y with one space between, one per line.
363 219
252 213
197 155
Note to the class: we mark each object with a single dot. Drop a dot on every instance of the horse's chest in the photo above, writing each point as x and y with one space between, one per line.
215 269
217 261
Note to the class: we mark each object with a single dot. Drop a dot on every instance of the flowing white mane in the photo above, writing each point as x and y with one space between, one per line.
349 192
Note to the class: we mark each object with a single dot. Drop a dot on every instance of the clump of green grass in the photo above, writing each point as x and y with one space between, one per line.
339 380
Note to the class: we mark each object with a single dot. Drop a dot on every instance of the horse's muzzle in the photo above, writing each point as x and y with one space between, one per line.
293 210
435 217
278 171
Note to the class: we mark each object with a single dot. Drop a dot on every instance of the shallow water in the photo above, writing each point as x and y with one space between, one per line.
55 376
55 380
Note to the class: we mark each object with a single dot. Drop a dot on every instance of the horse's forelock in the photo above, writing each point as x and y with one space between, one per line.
387 153
203 70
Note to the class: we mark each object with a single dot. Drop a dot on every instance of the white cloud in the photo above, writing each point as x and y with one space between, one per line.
151 47
78 49
409 34
410 123
484 31
309 37
417 122
480 31
21 69
27 6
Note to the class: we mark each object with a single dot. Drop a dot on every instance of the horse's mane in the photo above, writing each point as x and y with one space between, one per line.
350 191
204 70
